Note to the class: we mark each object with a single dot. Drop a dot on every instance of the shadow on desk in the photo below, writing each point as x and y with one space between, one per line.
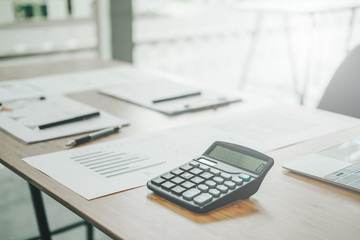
241 208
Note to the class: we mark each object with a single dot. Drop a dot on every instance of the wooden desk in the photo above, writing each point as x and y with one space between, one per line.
287 206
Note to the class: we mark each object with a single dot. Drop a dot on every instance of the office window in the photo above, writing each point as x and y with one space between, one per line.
46 29
211 41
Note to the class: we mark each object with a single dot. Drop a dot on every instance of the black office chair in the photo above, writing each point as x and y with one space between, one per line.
342 95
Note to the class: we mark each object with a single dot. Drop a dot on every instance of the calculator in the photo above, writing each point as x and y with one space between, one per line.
224 173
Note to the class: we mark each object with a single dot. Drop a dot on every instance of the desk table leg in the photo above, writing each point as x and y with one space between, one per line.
40 213
90 231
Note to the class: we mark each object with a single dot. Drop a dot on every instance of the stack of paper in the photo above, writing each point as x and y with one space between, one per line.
22 118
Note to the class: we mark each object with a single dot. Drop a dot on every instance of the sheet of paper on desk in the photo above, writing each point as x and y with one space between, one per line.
151 89
74 82
207 99
101 169
20 118
93 79
62 83
12 90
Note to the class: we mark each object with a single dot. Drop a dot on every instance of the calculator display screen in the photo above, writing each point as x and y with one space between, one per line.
238 159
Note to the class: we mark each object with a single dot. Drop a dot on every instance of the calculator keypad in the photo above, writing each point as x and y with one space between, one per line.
200 184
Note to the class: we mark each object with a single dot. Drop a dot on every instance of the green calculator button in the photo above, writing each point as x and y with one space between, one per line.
244 176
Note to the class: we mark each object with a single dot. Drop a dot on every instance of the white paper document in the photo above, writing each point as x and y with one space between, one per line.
101 169
75 82
165 94
13 90
23 118
61 83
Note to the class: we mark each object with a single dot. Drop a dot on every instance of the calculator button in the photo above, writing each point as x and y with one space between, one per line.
203 188
197 180
196 171
178 190
158 181
229 184
218 180
177 171
203 199
244 176
222 188
188 184
214 171
204 167
194 163
214 192
177 180
186 175
210 183
167 176
226 176
191 193
206 175
237 181
167 185
186 167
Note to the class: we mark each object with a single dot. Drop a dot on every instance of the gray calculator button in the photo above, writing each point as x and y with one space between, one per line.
188 184
237 180
194 163
222 188
191 193
186 175
167 176
204 167
226 176
203 188
206 175
210 183
177 180
203 198
177 171
178 190
196 171
229 184
215 171
167 185
214 192
158 181
218 180
197 180
186 167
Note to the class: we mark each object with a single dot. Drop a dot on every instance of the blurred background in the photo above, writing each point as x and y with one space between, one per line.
282 50
287 50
